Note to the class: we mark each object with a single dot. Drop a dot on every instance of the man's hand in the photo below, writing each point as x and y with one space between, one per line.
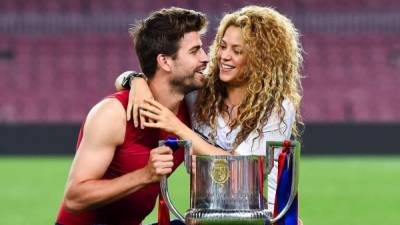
160 163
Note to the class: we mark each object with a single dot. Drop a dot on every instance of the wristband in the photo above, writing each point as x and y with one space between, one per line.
126 82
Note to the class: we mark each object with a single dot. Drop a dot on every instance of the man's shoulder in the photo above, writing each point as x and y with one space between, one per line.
107 118
107 110
121 96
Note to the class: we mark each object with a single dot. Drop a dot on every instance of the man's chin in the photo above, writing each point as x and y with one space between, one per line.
200 83
190 83
199 77
197 85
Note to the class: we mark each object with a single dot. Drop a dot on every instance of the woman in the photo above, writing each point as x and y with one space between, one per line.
252 93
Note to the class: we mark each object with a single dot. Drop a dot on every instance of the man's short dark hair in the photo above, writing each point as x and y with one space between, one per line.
161 32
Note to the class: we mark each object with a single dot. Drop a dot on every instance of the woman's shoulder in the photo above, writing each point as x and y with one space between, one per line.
288 106
280 123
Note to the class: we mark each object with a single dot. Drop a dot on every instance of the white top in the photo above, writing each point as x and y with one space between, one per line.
274 130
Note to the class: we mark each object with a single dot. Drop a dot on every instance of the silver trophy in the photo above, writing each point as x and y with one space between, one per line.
227 189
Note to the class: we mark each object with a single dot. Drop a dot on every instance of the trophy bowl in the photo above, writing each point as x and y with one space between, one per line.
230 189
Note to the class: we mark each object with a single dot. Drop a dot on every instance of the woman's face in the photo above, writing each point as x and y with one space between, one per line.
231 59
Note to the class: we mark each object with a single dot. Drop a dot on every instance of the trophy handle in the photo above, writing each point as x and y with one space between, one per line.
174 143
269 162
164 192
296 146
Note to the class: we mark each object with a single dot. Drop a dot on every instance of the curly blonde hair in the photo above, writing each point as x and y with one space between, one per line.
272 71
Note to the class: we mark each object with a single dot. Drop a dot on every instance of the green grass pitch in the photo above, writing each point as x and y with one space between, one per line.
333 190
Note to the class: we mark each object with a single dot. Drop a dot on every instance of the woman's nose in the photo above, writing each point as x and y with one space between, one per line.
225 55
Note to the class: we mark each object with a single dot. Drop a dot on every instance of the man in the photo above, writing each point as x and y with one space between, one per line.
114 178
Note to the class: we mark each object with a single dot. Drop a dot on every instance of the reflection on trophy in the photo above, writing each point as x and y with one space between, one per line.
227 189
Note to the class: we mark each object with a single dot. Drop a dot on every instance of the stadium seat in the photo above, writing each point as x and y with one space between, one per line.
351 70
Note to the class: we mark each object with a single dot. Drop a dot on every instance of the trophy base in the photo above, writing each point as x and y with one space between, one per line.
231 217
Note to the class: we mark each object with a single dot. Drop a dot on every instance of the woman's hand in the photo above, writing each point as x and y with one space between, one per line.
160 117
139 92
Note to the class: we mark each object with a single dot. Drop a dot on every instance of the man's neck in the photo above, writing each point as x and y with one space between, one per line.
163 92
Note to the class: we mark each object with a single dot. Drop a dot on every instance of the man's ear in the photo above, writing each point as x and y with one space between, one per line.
164 62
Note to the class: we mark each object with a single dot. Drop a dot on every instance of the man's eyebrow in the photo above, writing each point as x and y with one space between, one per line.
197 47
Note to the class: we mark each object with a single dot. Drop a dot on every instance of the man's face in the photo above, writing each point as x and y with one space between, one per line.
188 66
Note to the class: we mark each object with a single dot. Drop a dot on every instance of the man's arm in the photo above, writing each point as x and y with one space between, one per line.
104 130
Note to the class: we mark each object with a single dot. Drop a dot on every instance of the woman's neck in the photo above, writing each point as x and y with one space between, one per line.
234 99
236 95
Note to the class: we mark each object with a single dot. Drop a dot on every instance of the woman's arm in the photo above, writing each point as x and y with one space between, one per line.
118 82
139 90
162 118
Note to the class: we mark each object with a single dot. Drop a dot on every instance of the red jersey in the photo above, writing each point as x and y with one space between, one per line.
131 155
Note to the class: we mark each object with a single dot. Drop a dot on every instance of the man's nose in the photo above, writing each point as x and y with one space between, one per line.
204 57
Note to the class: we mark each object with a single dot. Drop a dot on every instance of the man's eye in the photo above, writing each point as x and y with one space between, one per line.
194 51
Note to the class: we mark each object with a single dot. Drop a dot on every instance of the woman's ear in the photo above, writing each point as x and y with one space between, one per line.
164 62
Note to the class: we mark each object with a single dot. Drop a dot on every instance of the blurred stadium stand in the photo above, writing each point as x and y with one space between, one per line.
58 58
